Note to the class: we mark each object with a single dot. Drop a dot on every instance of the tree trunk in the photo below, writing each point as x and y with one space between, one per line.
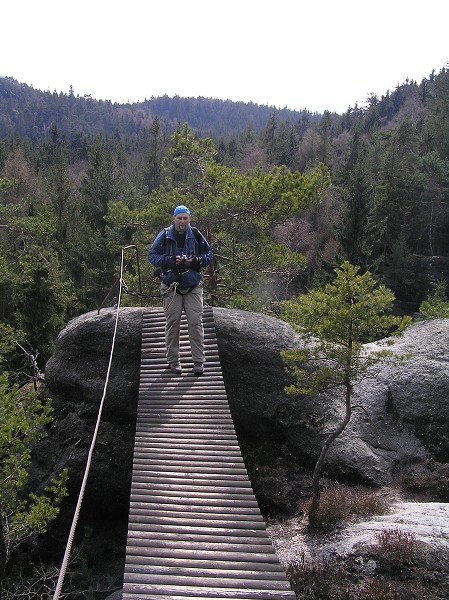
316 494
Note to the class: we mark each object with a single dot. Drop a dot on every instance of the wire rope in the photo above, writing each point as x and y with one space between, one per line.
68 549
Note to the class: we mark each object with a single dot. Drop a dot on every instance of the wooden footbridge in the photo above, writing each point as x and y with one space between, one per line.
195 530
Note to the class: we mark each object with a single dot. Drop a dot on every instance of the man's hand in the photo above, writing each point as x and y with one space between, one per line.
185 262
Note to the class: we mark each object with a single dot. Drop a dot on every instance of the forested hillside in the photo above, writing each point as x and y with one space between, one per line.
283 196
30 113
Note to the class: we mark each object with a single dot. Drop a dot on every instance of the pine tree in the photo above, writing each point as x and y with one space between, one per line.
23 417
335 322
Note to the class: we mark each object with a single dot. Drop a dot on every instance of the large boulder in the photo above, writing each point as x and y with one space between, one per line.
405 406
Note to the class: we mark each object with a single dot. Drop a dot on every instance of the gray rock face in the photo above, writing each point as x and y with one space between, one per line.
409 402
249 346
77 371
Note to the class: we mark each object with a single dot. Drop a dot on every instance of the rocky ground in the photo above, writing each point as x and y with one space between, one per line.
402 554
427 522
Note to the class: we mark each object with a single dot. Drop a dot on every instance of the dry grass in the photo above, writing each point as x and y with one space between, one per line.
341 504
313 580
396 549
379 589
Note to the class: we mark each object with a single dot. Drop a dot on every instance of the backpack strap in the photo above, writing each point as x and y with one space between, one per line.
197 234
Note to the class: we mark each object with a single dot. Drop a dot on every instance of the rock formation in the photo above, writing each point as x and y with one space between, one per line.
405 421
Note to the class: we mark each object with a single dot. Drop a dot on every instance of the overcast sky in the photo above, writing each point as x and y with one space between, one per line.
316 55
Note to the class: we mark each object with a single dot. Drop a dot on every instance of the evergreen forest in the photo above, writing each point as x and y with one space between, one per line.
283 197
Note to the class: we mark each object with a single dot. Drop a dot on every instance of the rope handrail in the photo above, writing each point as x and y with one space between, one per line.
66 557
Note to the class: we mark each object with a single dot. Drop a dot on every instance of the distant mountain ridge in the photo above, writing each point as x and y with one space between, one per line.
31 113
220 116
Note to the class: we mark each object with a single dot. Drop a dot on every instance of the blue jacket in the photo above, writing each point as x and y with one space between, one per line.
163 252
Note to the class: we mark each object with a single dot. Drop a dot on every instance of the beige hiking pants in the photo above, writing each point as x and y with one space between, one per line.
192 303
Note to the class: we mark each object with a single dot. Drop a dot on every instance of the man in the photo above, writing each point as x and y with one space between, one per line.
180 252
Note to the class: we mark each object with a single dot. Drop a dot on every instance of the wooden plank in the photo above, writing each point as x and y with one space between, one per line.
142 503
218 468
204 480
239 566
210 581
185 569
199 553
226 512
183 442
198 593
210 533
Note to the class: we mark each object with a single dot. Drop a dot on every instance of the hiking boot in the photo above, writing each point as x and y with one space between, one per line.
175 367
198 368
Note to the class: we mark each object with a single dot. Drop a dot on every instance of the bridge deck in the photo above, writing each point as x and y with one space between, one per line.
195 530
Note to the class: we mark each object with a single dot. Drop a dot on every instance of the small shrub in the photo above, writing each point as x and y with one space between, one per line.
339 505
378 589
314 580
397 550
436 306
364 504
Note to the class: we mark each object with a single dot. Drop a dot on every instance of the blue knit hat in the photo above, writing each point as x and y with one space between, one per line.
181 209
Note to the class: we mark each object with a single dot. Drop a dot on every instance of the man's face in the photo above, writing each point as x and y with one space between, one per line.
181 221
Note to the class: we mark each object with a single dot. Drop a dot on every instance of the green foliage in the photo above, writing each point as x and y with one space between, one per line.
6 184
9 338
354 232
432 213
436 306
240 213
336 321
186 162
38 296
235 211
437 121
23 417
